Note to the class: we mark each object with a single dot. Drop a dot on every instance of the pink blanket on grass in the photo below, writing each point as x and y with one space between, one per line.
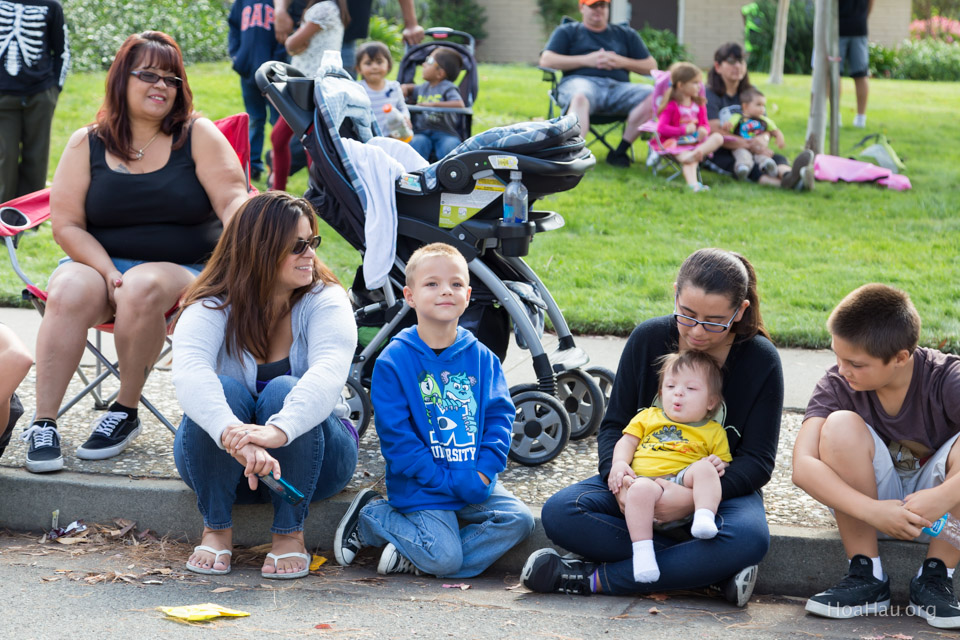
833 168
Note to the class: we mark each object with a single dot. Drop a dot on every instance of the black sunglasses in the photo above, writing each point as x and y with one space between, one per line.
301 245
151 78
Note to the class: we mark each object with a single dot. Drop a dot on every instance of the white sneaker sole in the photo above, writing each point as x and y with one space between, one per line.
844 612
108 452
44 466
934 621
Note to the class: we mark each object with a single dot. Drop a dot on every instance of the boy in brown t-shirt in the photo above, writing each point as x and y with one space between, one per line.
877 447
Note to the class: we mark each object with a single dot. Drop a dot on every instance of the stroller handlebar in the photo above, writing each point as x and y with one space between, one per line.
275 71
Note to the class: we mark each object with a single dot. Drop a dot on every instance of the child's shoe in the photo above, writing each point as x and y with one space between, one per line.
698 187
769 167
742 171
392 562
346 541
545 571
858 594
932 597
860 121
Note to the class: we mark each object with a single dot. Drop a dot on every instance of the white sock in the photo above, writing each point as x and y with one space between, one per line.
878 568
704 526
860 120
645 567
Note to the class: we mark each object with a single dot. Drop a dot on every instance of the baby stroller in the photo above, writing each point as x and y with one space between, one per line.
442 203
469 82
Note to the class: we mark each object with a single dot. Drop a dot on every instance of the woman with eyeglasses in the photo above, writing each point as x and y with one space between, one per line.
136 204
261 352
716 310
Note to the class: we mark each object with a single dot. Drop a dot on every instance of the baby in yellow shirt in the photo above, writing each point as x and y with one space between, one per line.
679 443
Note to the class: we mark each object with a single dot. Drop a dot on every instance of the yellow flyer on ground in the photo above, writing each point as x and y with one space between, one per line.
206 611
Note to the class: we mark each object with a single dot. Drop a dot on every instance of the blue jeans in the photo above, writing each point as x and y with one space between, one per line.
585 518
319 463
438 142
257 108
434 541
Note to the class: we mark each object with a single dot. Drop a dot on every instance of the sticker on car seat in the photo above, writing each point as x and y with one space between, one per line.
504 162
409 182
457 207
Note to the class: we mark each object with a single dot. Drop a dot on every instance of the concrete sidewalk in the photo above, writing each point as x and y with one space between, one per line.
801 560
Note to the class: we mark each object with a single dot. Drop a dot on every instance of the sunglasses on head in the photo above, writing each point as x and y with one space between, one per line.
301 245
151 78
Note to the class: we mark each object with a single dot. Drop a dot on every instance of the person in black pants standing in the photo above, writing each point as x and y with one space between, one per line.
36 58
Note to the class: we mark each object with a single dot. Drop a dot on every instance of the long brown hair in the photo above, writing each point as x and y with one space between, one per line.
243 271
724 52
342 5
728 274
150 48
681 72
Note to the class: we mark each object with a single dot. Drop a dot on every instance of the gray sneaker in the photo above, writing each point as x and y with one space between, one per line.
738 589
392 562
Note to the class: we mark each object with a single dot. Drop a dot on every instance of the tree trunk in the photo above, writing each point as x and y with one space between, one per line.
817 122
779 42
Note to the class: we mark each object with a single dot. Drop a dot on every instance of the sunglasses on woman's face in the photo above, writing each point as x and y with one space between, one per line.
301 245
151 78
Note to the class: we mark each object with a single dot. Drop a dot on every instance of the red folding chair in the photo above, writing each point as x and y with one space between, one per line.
30 211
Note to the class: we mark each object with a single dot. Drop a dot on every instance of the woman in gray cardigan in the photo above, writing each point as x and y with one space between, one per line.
261 353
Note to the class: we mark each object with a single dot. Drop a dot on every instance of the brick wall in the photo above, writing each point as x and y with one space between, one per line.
889 22
707 24
515 32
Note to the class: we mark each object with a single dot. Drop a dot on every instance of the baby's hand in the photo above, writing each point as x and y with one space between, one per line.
718 463
618 471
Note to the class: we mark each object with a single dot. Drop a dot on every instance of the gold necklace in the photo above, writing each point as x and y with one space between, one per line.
144 148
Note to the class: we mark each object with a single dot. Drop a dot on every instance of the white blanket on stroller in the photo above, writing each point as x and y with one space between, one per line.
378 164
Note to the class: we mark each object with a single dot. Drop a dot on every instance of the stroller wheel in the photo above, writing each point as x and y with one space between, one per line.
604 378
361 409
541 428
583 400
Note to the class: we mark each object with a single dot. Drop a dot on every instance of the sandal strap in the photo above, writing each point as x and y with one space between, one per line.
283 556
216 554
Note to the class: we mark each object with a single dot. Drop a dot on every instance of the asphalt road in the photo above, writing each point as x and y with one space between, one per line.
111 589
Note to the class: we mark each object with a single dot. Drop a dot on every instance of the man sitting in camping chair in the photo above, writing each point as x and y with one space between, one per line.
596 58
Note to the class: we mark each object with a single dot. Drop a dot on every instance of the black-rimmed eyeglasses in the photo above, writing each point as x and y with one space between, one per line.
301 245
712 327
151 78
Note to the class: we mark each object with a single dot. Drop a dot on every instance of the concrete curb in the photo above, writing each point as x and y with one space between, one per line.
800 562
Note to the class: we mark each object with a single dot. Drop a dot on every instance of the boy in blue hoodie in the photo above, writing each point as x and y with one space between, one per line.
252 41
444 418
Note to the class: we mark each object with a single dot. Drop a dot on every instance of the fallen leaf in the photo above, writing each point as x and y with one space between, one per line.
76 540
515 586
653 610
223 589
659 597
899 636
50 578
153 582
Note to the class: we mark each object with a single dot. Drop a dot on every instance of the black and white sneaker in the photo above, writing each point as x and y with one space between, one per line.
932 597
545 571
738 589
346 541
43 454
794 177
858 594
112 432
392 562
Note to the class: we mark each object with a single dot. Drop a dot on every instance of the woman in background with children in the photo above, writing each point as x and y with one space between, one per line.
261 354
716 311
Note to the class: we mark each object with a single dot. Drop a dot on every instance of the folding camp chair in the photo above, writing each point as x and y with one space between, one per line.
660 156
30 211
601 124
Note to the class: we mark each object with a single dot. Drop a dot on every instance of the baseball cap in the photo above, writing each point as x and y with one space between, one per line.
590 3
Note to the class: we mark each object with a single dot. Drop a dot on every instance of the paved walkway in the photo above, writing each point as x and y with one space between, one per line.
802 560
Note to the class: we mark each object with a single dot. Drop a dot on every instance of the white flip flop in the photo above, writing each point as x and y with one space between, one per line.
286 576
216 559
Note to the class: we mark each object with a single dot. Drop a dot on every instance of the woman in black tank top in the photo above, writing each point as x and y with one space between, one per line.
137 204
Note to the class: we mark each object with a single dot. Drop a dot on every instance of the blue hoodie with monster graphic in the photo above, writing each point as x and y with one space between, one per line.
441 419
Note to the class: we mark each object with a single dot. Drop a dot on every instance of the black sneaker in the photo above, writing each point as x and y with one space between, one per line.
858 594
932 597
392 562
346 542
794 177
43 455
615 159
112 432
545 571
738 589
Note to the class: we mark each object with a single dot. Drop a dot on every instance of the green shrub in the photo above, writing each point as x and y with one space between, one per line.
663 46
761 20
928 60
883 60
99 27
553 11
389 34
463 15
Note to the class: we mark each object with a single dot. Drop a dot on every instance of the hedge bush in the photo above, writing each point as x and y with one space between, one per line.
99 27
761 20
663 46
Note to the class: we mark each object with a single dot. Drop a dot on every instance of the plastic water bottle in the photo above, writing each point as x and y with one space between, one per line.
946 528
330 61
396 124
515 199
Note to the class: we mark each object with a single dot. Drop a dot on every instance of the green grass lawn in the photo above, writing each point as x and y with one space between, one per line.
627 231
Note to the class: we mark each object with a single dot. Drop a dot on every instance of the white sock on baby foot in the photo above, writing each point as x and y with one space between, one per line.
703 526
645 567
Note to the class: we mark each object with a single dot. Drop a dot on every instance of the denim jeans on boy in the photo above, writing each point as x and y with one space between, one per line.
319 463
257 108
436 544
584 518
438 142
